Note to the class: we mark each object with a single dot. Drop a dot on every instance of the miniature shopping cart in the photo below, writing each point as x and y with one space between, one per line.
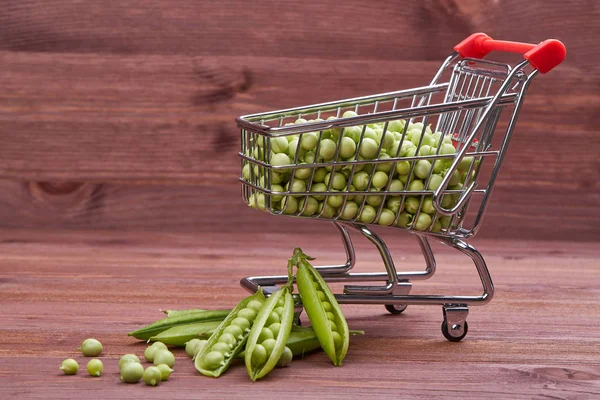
424 160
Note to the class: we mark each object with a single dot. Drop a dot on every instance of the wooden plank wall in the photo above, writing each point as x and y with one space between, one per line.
120 114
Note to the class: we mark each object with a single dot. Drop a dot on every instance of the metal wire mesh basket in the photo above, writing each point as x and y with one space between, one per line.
423 160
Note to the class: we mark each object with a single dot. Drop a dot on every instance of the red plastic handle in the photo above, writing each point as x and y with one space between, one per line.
543 56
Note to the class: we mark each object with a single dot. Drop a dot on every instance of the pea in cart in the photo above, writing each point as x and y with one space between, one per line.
424 160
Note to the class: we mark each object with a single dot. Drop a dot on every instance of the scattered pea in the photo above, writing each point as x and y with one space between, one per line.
69 366
286 357
165 371
128 358
152 376
95 367
132 372
164 357
91 347
190 347
152 349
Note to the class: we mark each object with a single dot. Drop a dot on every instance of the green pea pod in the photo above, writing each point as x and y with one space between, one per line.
261 358
157 327
323 310
230 337
174 313
179 335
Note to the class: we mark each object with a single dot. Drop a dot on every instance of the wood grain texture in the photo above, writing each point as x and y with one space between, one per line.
537 339
132 103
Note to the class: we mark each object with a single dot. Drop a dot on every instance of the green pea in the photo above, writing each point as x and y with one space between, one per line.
221 347
269 344
321 295
259 355
234 330
91 348
228 339
333 326
330 316
327 306
214 359
280 302
69 366
255 305
273 318
279 311
190 348
132 372
159 345
152 349
275 328
152 376
164 357
337 338
286 357
165 371
128 358
241 322
247 313
95 367
265 334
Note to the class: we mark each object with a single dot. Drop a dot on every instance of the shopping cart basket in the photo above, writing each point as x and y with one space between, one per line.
424 160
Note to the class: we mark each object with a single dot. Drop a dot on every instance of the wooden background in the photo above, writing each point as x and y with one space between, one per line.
119 192
120 114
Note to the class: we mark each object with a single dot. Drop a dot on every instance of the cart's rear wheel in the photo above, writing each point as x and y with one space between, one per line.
455 334
396 308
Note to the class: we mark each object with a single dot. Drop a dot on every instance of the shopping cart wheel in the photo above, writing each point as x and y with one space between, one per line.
396 308
455 333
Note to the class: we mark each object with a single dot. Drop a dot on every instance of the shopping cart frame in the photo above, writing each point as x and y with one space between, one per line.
473 141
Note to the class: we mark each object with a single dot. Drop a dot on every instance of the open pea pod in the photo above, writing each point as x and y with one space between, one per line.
230 337
269 334
323 310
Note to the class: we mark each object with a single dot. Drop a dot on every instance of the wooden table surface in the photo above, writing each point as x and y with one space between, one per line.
538 338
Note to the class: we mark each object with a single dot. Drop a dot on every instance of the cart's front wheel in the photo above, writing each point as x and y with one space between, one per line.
456 332
396 308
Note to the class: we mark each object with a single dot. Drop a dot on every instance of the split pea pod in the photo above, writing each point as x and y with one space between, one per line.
230 337
323 310
269 334
157 327
179 335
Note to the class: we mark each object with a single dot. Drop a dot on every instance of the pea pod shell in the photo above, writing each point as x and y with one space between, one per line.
316 313
179 335
287 318
157 327
214 338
